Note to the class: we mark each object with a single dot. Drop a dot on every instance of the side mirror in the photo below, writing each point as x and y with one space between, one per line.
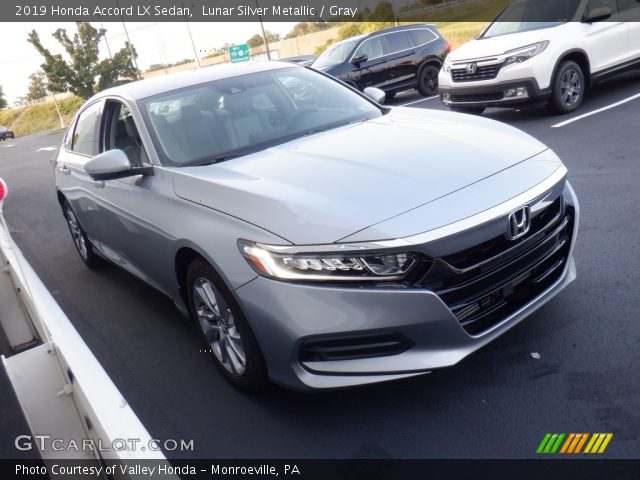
597 15
375 94
113 164
359 59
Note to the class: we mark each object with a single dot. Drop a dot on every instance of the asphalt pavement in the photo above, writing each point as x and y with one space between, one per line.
573 366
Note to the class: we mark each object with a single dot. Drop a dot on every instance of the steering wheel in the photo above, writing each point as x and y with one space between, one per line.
299 115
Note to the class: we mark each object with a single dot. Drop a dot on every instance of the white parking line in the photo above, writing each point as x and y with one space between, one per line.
418 101
594 112
47 149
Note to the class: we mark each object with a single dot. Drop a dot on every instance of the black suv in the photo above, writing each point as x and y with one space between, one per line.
6 133
393 60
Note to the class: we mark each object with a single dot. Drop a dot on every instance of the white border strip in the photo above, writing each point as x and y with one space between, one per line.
416 101
594 112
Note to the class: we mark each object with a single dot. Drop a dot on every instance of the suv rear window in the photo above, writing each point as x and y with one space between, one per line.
420 36
396 42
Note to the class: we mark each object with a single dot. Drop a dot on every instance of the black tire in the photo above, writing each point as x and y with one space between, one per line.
428 80
220 319
389 95
567 89
468 110
80 239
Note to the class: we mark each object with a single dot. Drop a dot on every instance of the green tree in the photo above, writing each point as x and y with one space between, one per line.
304 28
84 74
257 39
3 102
37 86
382 13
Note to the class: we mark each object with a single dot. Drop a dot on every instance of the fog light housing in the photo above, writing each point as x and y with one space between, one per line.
516 92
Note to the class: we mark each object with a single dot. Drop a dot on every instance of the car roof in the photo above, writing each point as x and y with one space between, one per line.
149 87
385 30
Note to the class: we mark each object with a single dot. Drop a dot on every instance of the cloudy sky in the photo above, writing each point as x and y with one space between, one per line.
155 43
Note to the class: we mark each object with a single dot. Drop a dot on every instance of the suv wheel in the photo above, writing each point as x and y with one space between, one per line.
428 80
568 88
80 240
227 334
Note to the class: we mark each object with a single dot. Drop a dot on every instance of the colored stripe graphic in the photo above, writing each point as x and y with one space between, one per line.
599 443
573 443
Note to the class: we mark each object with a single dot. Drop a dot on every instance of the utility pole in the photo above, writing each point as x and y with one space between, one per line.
264 36
106 41
133 58
193 45
53 96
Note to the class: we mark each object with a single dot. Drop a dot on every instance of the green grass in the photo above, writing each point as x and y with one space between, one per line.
459 33
40 117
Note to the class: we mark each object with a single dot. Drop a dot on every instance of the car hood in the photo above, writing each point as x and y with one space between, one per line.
322 188
489 47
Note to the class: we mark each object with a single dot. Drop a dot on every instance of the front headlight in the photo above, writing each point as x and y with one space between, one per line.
523 54
446 68
347 267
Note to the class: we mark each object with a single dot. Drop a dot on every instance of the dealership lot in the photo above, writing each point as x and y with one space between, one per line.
571 367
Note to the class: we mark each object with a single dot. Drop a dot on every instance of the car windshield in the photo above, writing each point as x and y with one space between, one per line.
235 116
335 54
526 15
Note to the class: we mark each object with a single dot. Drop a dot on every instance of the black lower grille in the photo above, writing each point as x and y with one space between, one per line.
353 347
481 97
484 284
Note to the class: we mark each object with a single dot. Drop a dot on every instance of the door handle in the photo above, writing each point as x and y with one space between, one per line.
97 183
64 170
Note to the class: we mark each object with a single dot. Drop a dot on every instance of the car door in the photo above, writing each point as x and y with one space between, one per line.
79 146
630 10
371 72
401 67
607 41
134 212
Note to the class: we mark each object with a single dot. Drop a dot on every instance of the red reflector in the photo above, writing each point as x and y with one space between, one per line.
3 190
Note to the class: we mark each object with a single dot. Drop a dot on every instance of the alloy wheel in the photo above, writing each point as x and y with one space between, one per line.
219 326
76 233
570 87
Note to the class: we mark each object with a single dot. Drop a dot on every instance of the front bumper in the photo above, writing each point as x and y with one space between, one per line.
287 316
492 95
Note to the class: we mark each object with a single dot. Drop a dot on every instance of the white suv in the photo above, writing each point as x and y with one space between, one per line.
521 57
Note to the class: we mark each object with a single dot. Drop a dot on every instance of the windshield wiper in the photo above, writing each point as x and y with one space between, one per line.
216 159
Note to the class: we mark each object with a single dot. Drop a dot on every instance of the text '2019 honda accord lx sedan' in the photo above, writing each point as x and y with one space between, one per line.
315 237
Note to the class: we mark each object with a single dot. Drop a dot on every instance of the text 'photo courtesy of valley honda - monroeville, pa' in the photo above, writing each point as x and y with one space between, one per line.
218 188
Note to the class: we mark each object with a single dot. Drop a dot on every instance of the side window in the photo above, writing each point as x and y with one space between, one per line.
121 132
626 5
85 137
612 4
420 36
396 42
68 137
372 48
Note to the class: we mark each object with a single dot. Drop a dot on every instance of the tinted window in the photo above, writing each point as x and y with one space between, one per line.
626 5
372 48
396 42
526 15
612 4
422 36
335 54
85 138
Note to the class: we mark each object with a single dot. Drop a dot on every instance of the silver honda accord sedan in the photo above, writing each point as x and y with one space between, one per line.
315 237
